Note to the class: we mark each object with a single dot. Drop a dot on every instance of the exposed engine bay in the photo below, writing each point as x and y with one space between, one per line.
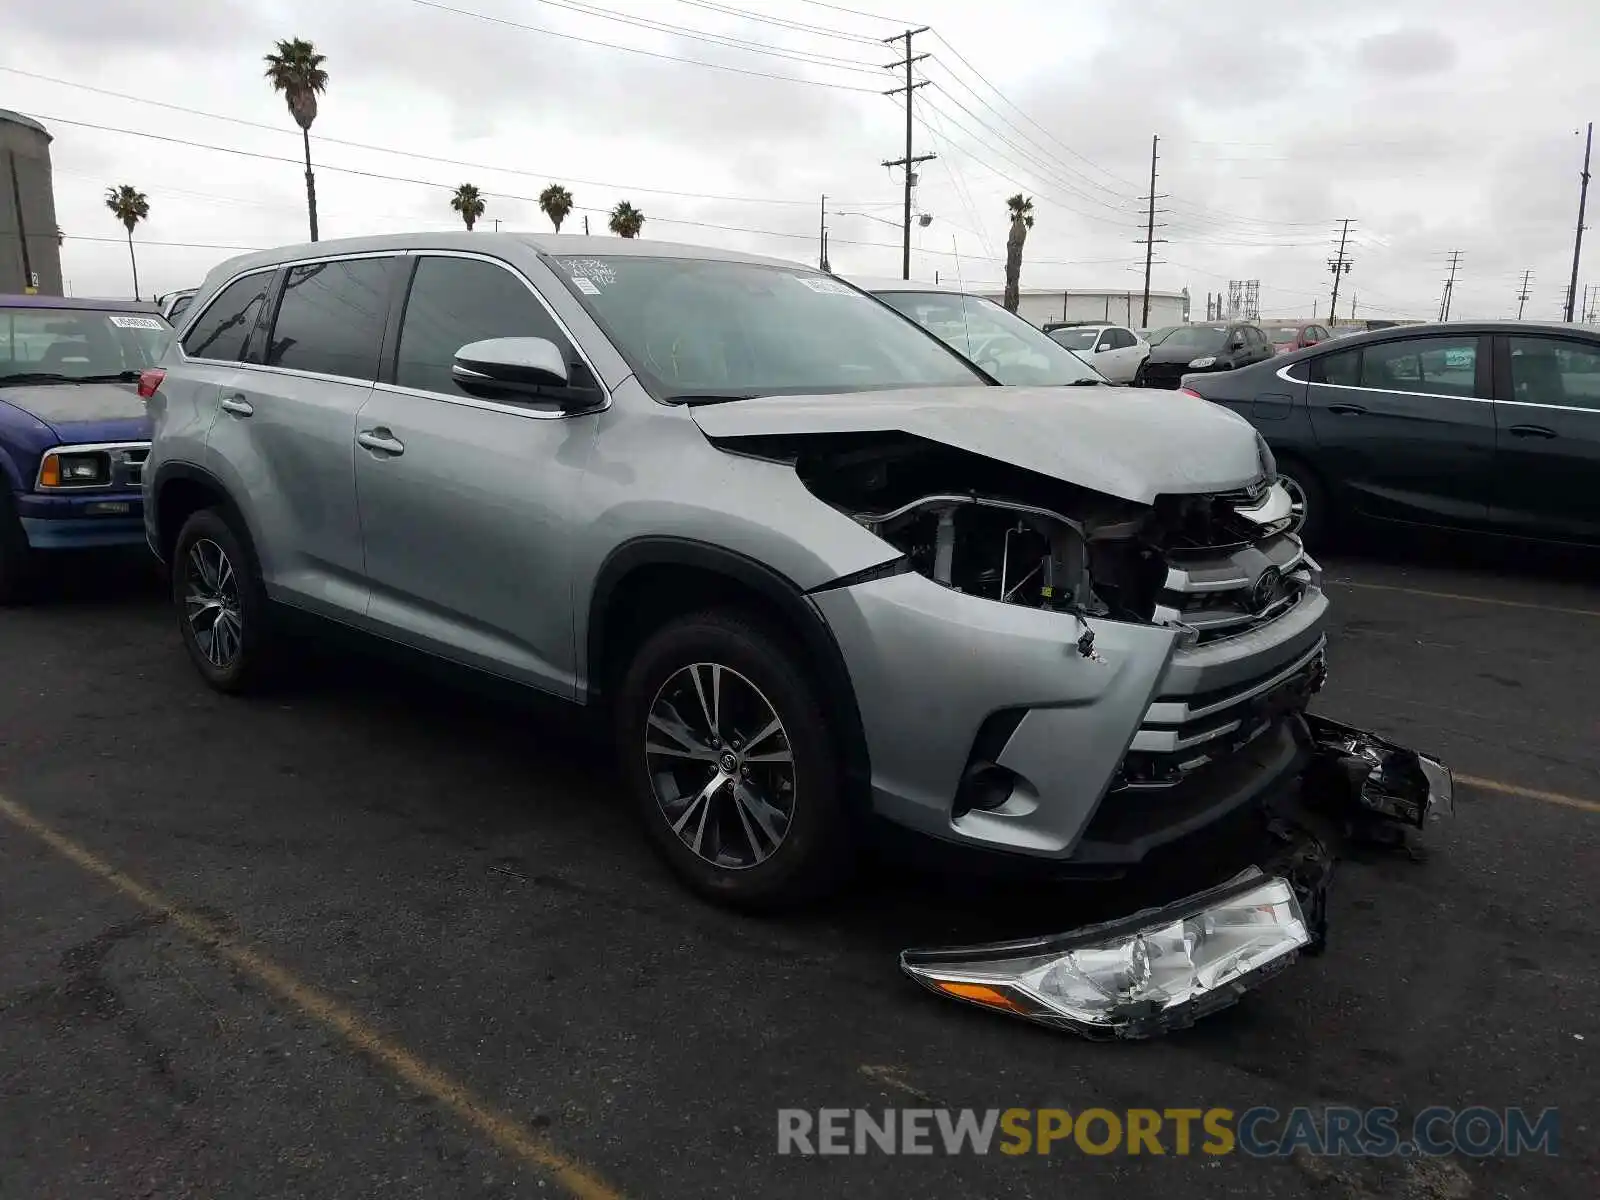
994 530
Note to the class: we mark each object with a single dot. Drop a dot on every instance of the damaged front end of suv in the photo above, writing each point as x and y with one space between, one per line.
1089 648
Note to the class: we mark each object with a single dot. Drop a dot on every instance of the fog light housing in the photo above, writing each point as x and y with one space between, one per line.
1145 974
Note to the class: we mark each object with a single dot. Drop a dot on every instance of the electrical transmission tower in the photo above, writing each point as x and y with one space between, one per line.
910 161
1523 293
1235 300
1252 299
1339 265
1449 286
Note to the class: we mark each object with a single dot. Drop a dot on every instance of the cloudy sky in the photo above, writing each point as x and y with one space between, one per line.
1436 125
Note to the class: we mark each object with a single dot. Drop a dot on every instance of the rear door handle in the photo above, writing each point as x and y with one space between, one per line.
1533 431
238 406
381 441
1347 410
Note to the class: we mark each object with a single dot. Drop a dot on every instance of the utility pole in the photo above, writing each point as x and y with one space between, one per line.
496 221
1523 293
1340 266
1335 316
910 161
1150 238
822 236
1583 198
1450 287
585 224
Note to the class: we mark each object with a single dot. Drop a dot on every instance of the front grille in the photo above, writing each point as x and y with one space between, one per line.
1230 591
1181 734
1164 375
131 464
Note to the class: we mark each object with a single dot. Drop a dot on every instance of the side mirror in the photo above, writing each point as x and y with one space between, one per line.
509 367
1236 344
1102 347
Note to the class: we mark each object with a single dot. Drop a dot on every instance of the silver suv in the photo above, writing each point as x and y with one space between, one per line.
811 564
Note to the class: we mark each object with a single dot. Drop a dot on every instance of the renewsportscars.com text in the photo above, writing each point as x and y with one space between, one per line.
1257 1132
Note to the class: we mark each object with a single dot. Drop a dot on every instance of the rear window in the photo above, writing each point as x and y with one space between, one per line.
223 330
67 344
1074 339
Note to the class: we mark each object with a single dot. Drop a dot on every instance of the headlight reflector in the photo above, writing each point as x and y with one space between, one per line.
1143 974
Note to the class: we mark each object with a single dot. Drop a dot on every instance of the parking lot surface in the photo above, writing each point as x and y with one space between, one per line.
369 936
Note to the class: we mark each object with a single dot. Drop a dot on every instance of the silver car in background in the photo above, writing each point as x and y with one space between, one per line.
811 564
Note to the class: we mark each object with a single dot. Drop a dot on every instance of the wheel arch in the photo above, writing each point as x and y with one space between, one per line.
181 489
622 611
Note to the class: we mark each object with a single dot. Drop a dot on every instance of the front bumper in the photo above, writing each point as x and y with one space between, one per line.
1164 968
83 521
989 728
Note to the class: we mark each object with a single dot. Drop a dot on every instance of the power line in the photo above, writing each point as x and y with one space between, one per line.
801 26
715 39
696 62
333 141
856 12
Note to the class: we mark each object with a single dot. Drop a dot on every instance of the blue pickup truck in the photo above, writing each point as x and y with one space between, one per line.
74 433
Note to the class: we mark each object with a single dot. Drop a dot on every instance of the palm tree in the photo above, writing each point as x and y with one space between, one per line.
1021 221
296 71
129 206
626 220
556 202
468 201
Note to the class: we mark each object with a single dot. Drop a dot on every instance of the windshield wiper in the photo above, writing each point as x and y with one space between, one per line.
56 377
1091 383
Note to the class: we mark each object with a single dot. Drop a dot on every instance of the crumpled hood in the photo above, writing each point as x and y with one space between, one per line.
78 404
1133 443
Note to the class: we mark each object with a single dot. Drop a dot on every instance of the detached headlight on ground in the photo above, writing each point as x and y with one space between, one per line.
1141 975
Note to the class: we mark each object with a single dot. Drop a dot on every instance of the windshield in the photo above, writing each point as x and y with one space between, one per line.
1195 337
1156 336
64 344
699 329
1074 339
1002 343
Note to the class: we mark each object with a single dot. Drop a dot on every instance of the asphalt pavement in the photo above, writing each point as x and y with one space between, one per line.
371 936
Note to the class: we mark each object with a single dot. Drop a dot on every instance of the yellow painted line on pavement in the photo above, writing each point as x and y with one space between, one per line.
1495 600
504 1131
1511 789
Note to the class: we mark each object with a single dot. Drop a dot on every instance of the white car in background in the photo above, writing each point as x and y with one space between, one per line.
1011 350
1116 351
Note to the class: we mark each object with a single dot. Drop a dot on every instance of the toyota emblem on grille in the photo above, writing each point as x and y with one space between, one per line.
1268 590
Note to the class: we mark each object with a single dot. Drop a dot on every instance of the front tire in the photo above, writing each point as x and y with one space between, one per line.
16 556
220 603
732 764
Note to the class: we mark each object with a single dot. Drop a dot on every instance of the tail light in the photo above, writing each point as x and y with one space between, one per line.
149 380
1186 391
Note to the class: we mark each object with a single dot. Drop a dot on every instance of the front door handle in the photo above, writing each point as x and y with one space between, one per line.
1533 431
238 406
381 441
1347 410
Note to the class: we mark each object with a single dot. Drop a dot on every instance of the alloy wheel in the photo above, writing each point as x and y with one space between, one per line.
720 764
1297 501
211 603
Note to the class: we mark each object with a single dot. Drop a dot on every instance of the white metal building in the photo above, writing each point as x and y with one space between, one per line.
1041 305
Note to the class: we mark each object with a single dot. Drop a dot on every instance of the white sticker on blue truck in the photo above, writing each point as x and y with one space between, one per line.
123 322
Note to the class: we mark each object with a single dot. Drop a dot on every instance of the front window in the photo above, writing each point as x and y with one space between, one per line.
1202 339
1074 339
1002 343
701 329
66 345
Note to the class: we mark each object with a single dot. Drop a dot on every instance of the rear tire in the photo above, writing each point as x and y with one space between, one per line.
732 764
16 556
220 604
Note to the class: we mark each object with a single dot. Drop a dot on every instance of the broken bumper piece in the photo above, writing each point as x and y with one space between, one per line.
1164 968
